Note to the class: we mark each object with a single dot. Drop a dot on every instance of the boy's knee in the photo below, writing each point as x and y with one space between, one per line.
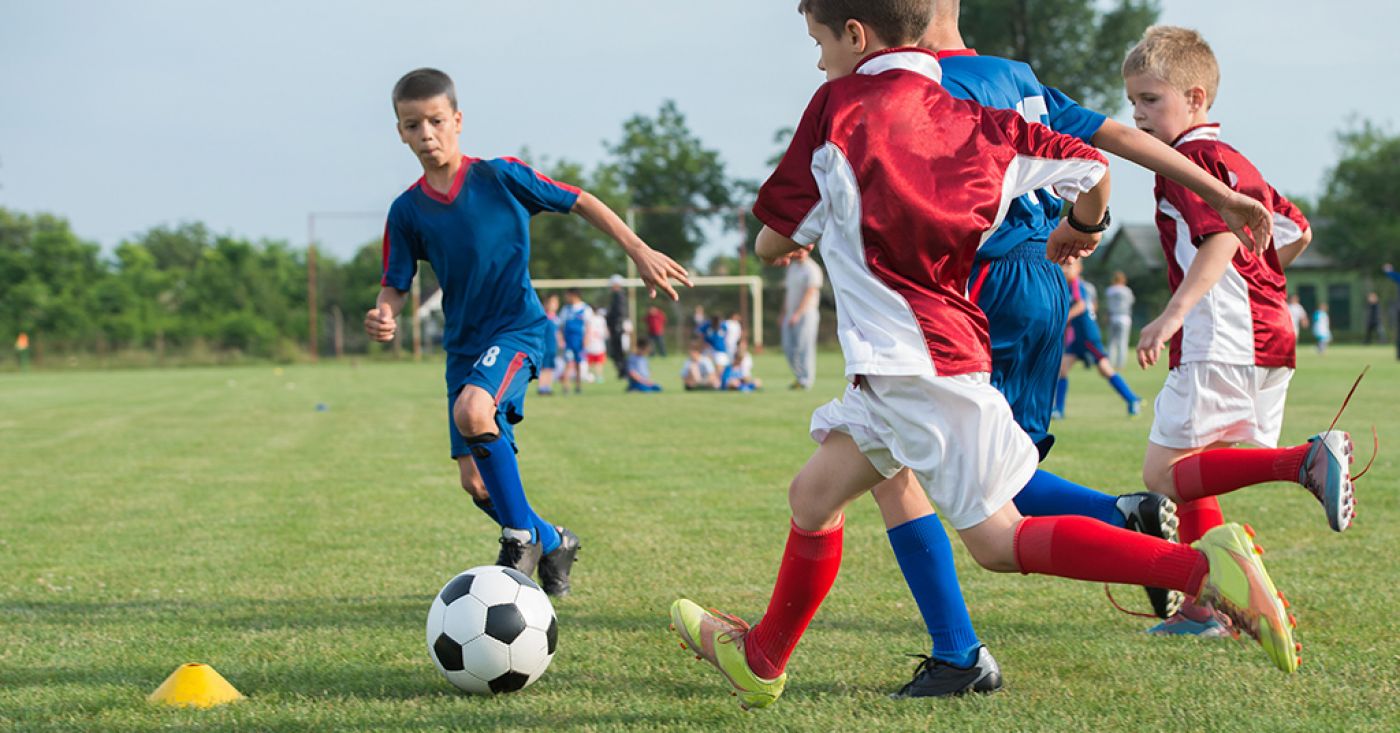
995 559
1159 480
474 412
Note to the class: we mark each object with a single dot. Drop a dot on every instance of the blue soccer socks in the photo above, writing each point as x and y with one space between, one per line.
1123 389
494 457
1048 495
487 508
926 559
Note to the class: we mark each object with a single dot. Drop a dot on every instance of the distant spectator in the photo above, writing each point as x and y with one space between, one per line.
699 370
1375 326
1394 276
801 317
1119 298
739 376
617 318
698 320
595 345
552 339
656 329
639 371
1299 314
1322 328
733 329
716 345
575 319
22 350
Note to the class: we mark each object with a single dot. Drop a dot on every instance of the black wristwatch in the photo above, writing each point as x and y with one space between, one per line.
1088 228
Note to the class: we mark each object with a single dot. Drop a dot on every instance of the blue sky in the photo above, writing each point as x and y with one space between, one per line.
247 116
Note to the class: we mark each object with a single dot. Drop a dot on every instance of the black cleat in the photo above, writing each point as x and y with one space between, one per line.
1154 515
937 678
555 567
522 556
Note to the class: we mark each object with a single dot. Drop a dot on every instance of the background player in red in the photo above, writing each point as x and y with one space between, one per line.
1228 325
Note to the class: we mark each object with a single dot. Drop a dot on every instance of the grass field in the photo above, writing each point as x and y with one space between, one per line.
151 518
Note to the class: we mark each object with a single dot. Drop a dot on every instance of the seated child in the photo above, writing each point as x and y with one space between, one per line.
739 376
699 370
639 371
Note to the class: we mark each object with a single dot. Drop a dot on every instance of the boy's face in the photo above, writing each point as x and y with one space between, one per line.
430 127
839 52
1159 109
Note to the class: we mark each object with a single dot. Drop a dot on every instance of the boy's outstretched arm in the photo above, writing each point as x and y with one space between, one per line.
1067 243
656 269
381 321
1212 257
1239 211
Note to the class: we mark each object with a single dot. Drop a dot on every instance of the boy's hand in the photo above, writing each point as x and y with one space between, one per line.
1154 337
1240 211
786 259
380 323
657 271
1067 243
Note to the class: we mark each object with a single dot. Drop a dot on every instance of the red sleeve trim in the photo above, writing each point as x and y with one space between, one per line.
575 190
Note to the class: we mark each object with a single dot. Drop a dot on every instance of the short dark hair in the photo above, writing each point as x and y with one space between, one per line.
424 83
642 343
897 22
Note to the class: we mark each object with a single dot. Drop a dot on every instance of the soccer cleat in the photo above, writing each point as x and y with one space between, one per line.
523 556
937 678
719 639
1239 587
1154 515
1326 472
1134 408
1215 626
555 566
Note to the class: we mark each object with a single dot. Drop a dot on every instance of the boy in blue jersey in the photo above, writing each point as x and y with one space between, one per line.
1024 297
471 219
574 325
1085 343
551 346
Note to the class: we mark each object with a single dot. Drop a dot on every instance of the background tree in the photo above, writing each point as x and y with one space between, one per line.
1357 215
664 164
566 246
1072 44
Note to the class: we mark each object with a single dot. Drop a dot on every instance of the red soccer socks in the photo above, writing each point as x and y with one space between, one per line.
1220 471
810 563
1087 549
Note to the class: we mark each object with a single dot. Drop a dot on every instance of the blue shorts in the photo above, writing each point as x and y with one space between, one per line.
1086 343
573 348
503 370
1027 304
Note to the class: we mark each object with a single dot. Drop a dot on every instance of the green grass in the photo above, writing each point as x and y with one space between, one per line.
151 518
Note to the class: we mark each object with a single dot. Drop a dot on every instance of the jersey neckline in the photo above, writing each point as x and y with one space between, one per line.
457 182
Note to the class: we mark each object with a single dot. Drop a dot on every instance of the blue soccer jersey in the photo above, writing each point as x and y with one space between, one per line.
477 238
1006 84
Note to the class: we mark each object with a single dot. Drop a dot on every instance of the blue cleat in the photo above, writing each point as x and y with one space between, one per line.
1216 626
1326 472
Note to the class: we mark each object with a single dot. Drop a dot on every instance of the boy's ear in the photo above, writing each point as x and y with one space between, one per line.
857 35
1196 98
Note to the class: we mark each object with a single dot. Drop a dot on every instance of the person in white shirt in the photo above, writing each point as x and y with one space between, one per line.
1119 299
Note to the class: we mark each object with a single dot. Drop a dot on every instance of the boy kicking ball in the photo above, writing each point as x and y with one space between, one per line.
881 159
471 219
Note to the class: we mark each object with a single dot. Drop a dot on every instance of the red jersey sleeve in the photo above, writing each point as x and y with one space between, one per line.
1200 218
790 202
1045 158
1289 222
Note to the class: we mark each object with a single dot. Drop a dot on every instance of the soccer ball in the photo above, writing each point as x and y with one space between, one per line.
491 629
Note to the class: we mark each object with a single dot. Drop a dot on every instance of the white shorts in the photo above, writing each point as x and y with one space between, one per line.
1205 402
956 433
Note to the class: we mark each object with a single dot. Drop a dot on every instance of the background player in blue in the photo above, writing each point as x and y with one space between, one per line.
1024 297
471 219
574 322
1085 343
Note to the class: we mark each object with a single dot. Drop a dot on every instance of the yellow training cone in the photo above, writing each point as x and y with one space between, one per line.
195 685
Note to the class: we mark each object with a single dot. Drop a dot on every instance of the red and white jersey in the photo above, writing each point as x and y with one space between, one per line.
900 183
1244 318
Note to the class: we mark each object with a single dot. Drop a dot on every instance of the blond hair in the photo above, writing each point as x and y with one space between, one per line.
1177 56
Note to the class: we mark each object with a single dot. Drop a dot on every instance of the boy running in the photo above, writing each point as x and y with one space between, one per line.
470 218
883 159
1084 343
1230 333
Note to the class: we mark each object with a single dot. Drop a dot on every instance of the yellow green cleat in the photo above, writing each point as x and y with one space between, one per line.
1239 587
718 638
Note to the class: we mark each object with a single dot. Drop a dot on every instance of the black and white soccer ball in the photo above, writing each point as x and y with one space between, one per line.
492 629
